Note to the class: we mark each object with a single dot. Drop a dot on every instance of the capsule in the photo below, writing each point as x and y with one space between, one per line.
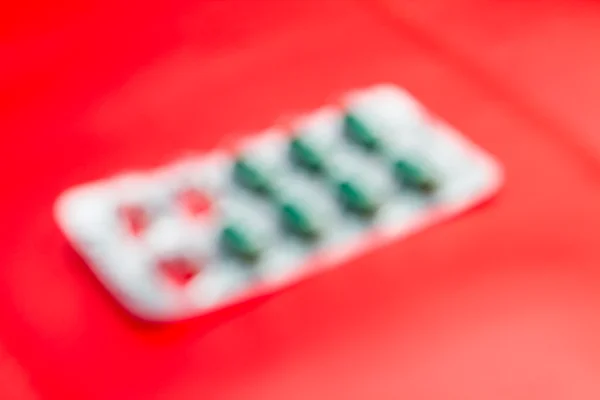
356 199
251 177
306 156
414 176
298 221
240 243
360 133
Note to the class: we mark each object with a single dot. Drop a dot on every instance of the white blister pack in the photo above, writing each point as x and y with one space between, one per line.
218 228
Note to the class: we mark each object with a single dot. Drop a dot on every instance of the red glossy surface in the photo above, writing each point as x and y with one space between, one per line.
501 303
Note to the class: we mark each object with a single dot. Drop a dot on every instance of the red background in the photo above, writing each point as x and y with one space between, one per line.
501 303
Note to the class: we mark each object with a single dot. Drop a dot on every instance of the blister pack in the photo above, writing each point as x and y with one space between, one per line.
218 228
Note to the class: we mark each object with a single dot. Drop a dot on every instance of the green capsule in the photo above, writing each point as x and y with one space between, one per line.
414 176
251 177
355 199
298 221
306 156
238 242
359 133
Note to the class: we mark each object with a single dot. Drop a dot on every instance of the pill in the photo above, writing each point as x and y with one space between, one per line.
240 242
306 156
359 133
251 177
299 221
414 176
356 199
